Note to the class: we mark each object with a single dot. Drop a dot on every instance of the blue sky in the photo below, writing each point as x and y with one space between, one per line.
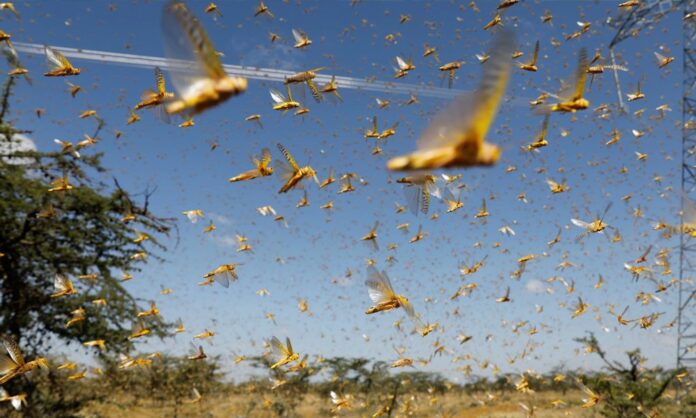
319 246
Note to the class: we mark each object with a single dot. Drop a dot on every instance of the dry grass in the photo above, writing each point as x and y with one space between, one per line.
423 405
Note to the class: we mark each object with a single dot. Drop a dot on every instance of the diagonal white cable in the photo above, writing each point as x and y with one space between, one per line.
269 74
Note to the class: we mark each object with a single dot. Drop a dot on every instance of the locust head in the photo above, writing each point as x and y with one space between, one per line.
488 154
41 362
582 103
231 85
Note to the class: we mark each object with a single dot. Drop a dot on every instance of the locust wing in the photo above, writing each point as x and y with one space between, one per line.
378 286
277 96
13 350
465 121
289 157
187 45
265 158
280 351
579 223
574 89
55 59
159 81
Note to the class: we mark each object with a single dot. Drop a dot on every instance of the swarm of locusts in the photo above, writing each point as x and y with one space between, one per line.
495 240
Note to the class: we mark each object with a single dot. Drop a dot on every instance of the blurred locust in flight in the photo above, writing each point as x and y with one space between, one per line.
12 362
17 401
5 37
456 135
223 274
283 103
451 68
662 61
418 190
64 286
283 352
213 8
261 169
373 131
301 39
307 77
294 174
531 66
8 5
597 226
383 296
391 131
60 66
262 9
205 83
404 67
596 67
540 140
571 98
151 98
332 87
635 95
371 236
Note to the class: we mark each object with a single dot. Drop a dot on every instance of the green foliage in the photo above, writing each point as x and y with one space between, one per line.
165 385
51 394
295 385
628 390
354 375
369 381
75 232
168 380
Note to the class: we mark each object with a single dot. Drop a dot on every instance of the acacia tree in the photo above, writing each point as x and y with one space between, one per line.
168 381
629 390
86 230
289 395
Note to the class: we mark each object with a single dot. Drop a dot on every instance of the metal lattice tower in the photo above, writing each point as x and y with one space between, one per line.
686 342
629 25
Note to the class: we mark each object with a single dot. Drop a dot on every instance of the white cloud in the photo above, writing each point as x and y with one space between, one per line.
220 219
535 286
225 240
278 56
19 142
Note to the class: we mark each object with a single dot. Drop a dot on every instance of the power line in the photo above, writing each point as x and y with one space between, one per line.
267 74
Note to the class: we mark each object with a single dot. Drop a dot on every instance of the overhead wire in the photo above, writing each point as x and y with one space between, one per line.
253 73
